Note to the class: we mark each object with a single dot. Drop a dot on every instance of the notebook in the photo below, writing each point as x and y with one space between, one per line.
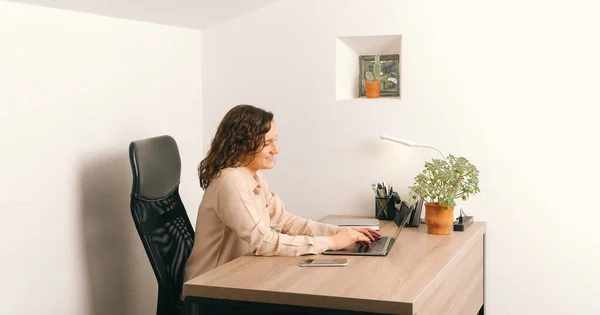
355 222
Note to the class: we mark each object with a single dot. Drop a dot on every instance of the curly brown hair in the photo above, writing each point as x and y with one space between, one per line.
240 135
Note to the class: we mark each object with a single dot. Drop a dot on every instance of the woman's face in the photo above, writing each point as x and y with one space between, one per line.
265 159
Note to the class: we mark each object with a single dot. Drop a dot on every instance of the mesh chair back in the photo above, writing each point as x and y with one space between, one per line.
160 217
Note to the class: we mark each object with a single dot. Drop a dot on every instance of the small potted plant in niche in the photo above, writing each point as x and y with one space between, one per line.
440 184
373 80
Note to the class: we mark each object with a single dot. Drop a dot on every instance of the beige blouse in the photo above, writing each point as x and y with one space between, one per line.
239 215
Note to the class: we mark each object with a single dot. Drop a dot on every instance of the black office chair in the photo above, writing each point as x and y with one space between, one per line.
160 217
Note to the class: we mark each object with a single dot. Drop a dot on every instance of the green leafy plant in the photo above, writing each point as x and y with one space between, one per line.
444 181
376 74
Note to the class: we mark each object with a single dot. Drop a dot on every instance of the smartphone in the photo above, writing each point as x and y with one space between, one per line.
323 263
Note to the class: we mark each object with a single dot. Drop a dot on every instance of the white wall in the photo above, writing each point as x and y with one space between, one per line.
75 89
510 85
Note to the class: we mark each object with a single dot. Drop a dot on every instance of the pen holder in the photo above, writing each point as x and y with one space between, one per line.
384 206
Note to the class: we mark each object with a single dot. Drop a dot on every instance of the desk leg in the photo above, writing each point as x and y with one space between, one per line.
482 309
190 307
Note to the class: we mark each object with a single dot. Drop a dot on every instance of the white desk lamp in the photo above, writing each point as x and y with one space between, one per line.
411 144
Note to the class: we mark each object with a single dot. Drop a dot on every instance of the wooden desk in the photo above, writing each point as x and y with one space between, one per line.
422 274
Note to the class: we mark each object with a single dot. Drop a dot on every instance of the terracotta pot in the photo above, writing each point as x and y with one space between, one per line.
373 89
439 220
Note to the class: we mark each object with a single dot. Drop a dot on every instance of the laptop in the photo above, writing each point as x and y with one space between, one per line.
380 247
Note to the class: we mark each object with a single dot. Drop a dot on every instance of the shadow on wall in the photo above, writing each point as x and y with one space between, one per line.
120 277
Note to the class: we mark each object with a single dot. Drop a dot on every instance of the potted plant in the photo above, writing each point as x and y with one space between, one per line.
440 184
373 80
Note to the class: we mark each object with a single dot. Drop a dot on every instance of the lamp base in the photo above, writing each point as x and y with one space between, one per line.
462 226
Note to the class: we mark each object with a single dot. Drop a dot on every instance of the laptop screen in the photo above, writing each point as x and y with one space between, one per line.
401 217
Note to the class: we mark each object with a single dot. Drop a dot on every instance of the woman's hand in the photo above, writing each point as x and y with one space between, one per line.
345 237
368 232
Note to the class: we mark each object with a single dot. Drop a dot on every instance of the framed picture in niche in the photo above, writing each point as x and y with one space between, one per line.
390 74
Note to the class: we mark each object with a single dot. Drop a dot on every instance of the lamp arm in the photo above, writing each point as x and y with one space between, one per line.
432 147
411 144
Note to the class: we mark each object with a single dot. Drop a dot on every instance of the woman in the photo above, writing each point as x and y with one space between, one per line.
239 214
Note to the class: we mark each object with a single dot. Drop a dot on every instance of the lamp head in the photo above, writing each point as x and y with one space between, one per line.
411 144
405 142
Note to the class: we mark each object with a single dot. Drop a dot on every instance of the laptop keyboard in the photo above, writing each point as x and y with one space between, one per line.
376 245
